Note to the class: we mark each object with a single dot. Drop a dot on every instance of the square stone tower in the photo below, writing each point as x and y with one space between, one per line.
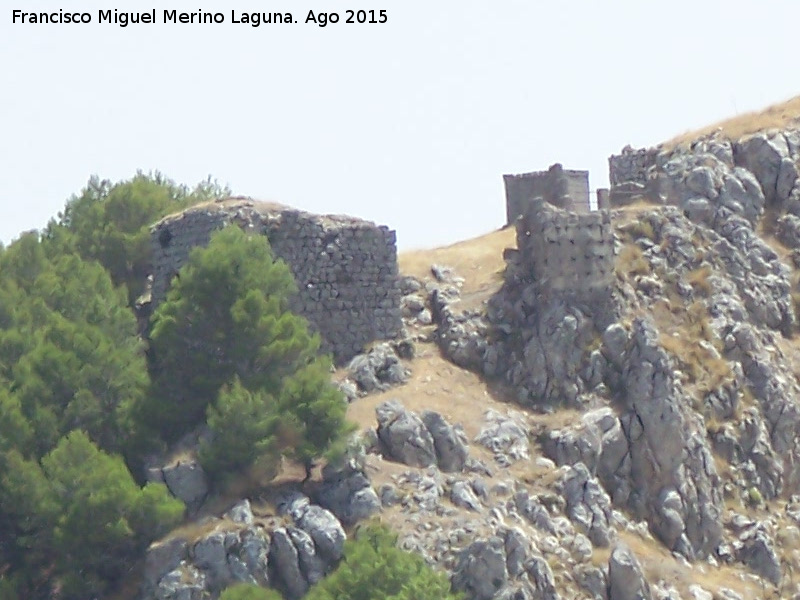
564 188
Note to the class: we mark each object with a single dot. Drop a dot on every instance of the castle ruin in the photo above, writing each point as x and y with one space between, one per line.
629 174
345 268
566 251
562 245
564 188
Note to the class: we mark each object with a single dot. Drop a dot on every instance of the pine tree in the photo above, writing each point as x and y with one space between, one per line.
226 315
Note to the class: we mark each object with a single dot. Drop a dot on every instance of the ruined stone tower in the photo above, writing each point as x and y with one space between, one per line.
345 268
565 252
560 187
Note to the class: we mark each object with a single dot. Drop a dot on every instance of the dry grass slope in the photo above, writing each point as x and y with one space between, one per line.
778 116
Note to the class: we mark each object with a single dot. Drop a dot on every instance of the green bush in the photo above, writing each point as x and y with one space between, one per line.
246 591
313 415
68 346
243 426
374 568
8 589
72 369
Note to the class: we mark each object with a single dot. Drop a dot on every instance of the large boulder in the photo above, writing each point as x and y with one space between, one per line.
285 561
481 570
756 549
377 370
162 558
325 530
347 492
404 435
668 469
588 505
763 156
187 481
210 554
449 442
626 580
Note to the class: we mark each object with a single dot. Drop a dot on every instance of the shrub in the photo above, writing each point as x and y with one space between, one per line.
374 567
81 509
631 261
110 223
313 415
243 426
246 591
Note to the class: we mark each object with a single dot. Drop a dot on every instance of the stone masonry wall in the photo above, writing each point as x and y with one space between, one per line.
345 268
560 187
631 166
558 295
565 251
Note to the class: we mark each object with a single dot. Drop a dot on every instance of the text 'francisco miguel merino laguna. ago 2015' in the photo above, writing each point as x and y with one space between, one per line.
198 17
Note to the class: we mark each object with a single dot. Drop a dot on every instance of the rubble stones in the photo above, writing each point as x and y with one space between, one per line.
184 583
377 370
788 230
461 495
506 436
756 548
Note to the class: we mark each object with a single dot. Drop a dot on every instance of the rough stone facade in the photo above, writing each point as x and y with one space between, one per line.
345 268
566 251
560 187
631 165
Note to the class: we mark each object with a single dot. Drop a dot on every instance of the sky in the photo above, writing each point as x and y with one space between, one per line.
410 123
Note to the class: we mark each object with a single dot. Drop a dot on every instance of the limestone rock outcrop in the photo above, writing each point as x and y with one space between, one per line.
667 474
625 578
420 441
290 557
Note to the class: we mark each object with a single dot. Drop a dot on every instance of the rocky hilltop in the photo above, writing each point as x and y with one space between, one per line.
602 406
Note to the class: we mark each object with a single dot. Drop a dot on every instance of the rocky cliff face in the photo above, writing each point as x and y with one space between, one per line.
686 380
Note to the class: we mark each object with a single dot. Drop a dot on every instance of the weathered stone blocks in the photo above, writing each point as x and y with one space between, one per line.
566 251
345 268
560 187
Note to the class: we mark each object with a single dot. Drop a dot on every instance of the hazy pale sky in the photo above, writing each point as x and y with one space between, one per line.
410 123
